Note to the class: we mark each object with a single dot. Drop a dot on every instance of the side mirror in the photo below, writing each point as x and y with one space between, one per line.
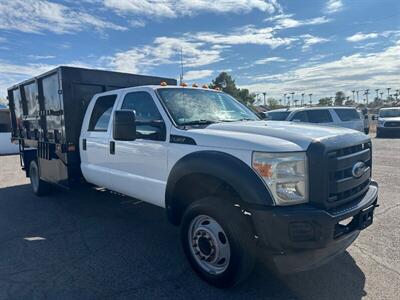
373 118
124 128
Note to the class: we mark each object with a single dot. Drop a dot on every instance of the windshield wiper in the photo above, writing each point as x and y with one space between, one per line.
197 122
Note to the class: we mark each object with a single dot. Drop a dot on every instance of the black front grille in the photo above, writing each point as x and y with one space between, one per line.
343 187
392 124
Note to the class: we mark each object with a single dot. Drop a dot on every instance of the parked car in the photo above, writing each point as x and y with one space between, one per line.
6 147
237 186
329 116
388 121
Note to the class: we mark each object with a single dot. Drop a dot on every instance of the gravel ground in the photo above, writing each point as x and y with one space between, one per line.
98 245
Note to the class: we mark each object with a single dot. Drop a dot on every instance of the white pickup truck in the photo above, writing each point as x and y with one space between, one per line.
240 188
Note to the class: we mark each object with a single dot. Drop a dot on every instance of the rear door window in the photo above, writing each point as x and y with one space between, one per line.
347 114
300 116
101 113
319 116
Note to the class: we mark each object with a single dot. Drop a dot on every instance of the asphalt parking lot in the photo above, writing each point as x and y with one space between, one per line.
92 244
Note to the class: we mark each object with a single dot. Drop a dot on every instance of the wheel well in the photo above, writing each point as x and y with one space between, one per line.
194 187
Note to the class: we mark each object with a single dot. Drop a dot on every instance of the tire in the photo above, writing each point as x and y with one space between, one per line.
233 241
39 187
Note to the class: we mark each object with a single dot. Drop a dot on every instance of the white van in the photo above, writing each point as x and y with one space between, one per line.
6 147
347 117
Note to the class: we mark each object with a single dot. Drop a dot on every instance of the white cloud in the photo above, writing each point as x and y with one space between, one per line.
164 50
269 59
245 35
362 36
358 71
288 22
310 40
334 6
41 57
197 74
176 8
37 16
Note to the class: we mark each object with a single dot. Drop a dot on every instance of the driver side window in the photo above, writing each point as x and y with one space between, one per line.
149 123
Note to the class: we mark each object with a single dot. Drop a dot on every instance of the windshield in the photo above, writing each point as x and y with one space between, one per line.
278 115
390 113
196 106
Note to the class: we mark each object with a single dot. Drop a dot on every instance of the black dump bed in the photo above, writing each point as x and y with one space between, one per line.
51 106
47 113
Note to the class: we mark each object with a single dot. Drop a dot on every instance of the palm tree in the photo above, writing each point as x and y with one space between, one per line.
302 99
310 99
353 94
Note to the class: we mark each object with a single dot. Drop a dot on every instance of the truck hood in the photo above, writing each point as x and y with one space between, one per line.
270 136
390 119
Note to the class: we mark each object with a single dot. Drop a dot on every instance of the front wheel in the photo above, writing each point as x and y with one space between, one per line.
218 242
39 187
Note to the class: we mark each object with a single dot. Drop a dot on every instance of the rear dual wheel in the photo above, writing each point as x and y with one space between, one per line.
39 187
218 242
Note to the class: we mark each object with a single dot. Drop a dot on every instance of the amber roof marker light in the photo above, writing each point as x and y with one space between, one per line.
163 83
183 84
195 85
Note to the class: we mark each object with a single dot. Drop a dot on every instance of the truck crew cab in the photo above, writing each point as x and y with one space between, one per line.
239 187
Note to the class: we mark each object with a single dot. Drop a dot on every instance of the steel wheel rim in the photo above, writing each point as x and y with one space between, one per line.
209 244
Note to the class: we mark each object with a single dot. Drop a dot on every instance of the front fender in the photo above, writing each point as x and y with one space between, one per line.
247 184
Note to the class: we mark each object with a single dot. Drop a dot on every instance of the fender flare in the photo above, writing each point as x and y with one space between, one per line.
226 167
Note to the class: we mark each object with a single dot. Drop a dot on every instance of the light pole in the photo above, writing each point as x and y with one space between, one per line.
310 99
357 96
366 95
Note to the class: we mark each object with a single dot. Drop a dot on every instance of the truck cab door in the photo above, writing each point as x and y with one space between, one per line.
140 166
95 146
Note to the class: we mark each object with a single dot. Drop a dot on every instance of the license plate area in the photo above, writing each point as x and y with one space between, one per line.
359 222
365 217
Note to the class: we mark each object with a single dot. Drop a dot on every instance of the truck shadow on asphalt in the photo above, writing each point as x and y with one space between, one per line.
96 244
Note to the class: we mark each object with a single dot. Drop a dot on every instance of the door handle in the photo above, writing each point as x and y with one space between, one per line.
84 146
112 147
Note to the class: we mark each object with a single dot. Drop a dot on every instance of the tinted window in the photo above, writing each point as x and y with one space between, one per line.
149 123
319 116
347 114
389 113
5 121
300 116
278 115
101 114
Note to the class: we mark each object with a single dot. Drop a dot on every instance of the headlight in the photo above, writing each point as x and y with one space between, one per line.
285 174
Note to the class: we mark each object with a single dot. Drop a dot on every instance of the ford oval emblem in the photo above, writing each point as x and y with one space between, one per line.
359 169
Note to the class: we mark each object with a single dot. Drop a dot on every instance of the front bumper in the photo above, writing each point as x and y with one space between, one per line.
303 237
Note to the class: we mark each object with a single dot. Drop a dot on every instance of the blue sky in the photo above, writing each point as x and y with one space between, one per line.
276 46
